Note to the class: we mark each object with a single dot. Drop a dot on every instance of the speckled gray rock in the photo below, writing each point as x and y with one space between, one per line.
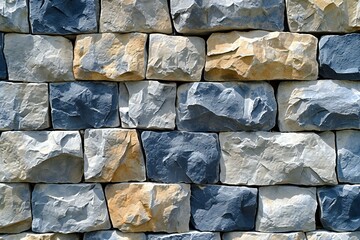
14 16
192 235
263 236
147 105
113 235
41 156
226 106
40 236
69 208
24 106
324 235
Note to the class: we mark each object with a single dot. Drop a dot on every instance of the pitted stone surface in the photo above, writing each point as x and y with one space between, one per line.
14 16
173 157
114 235
3 67
40 236
324 235
193 235
226 106
263 236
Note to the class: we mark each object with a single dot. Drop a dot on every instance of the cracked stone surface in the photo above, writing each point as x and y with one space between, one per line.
192 235
114 235
263 236
14 16
324 235
40 236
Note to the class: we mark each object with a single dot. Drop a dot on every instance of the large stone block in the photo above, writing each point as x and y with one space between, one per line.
174 157
80 105
263 236
14 16
193 235
38 58
110 56
261 55
69 208
269 158
147 105
149 207
40 236
223 208
41 156
318 105
3 67
324 235
24 106
226 106
113 235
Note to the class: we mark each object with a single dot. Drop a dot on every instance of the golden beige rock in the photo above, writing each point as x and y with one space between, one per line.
40 236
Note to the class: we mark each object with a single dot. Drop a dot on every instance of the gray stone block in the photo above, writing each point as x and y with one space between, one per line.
113 235
14 16
192 235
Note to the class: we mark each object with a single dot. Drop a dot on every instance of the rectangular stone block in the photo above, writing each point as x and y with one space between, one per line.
14 16
324 235
113 235
40 236
263 236
192 235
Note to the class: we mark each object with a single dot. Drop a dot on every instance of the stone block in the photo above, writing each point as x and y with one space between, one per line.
113 235
40 236
192 235
324 235
14 16
263 236
3 67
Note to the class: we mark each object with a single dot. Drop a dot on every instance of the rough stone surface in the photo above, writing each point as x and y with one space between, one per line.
3 67
324 235
38 58
149 207
338 58
193 16
261 55
24 106
110 56
113 235
286 209
41 156
113 155
14 16
40 236
69 208
263 236
193 235
135 16
269 158
187 157
80 105
15 210
175 58
147 105
306 106
339 207
223 208
226 107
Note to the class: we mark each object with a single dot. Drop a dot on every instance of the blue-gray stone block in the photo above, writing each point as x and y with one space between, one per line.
193 235
3 72
242 106
173 157
64 16
223 208
80 105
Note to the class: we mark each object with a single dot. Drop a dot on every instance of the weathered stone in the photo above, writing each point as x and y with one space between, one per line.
193 16
324 235
261 55
286 209
193 235
223 208
64 17
175 58
149 207
147 104
80 105
69 208
14 16
226 106
110 56
24 106
318 105
339 207
40 236
338 58
263 236
113 155
3 67
38 58
269 158
41 156
15 209
174 157
113 235
135 16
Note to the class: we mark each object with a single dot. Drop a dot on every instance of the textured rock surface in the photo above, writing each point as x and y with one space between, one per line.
305 106
223 208
80 105
40 236
261 55
14 16
173 157
149 207
41 156
110 56
69 208
323 235
286 209
193 235
226 107
339 207
48 58
175 58
263 236
15 209
113 235
24 106
147 104
3 67
268 158
135 16
113 155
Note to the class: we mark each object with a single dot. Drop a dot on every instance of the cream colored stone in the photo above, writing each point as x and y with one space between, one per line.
325 235
263 236
40 236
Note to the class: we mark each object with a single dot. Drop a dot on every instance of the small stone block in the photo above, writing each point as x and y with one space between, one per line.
263 236
192 235
14 16
113 235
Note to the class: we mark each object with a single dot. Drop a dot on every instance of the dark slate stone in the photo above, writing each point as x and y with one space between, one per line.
64 16
173 157
223 208
3 72
340 207
80 105
340 56
205 106
185 236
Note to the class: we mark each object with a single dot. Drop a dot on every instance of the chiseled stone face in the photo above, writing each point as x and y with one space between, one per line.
263 236
324 235
14 16
113 235
192 235
261 55
149 207
40 236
